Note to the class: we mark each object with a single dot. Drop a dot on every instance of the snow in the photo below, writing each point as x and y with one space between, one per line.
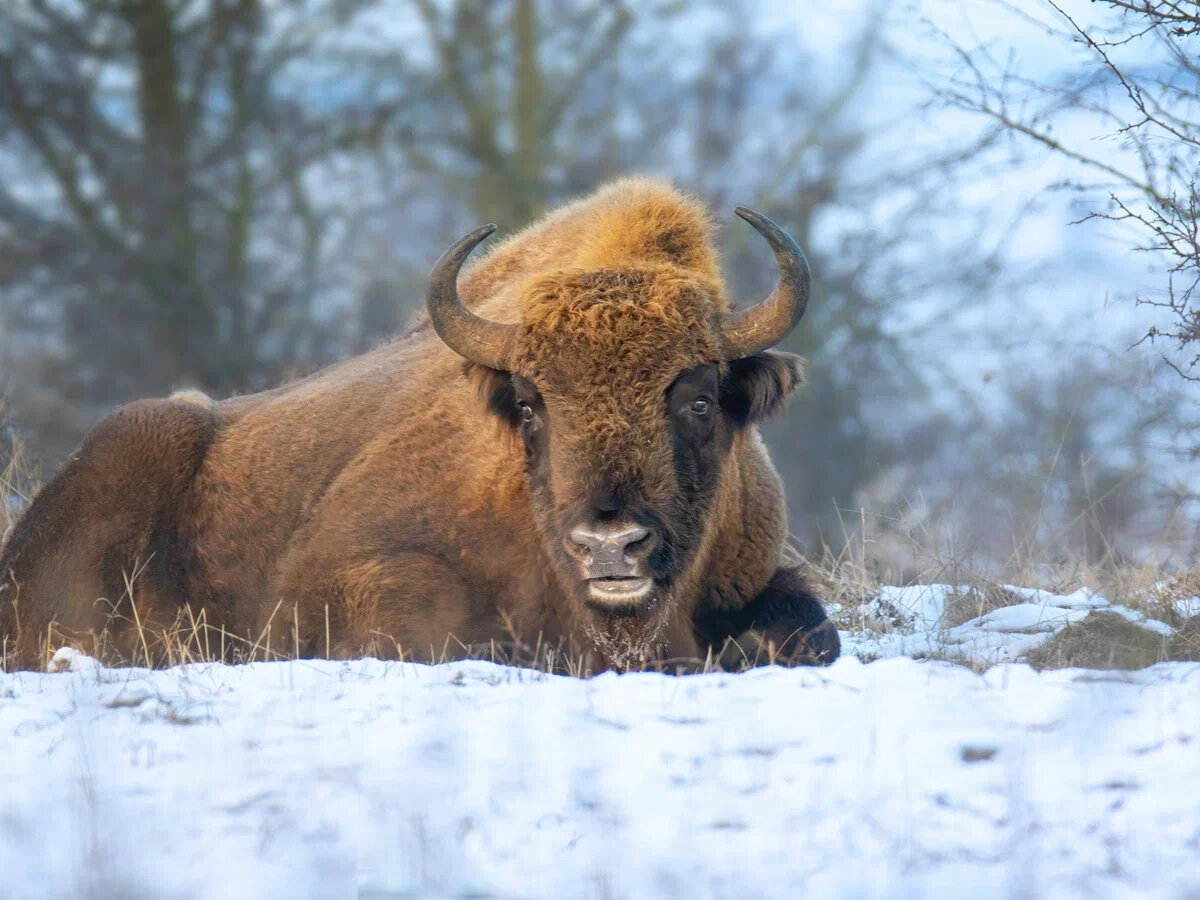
1083 598
1026 618
1186 607
913 621
1137 617
894 778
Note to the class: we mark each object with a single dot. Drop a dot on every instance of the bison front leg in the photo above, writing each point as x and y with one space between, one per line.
376 603
785 624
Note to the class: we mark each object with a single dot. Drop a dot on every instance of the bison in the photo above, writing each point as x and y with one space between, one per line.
563 451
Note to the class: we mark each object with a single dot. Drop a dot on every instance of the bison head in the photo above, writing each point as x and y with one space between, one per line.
629 386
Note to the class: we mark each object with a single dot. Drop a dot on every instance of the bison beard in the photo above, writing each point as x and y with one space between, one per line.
577 416
627 642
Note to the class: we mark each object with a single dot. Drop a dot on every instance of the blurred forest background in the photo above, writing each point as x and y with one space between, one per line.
998 200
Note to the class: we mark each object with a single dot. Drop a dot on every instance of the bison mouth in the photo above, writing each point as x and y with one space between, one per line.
620 595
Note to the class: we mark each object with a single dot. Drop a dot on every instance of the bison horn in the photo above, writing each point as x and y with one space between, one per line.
752 330
474 337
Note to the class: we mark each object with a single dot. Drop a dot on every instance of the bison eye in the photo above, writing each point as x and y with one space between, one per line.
525 411
700 406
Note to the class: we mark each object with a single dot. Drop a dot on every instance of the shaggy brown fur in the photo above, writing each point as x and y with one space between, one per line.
381 496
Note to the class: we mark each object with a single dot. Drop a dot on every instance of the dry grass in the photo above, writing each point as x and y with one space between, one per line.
1108 641
850 582
1185 645
1103 640
18 480
977 599
128 640
1163 598
191 638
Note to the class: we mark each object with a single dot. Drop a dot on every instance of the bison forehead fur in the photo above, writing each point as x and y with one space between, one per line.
379 506
615 327
605 346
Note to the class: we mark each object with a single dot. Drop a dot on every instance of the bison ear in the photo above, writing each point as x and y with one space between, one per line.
757 385
496 390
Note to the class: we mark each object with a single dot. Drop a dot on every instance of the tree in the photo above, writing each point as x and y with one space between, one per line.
160 225
1142 77
309 162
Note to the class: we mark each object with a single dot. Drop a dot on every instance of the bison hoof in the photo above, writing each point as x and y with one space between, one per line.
818 647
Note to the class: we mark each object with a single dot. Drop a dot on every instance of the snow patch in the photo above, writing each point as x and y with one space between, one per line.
68 659
897 778
1186 607
1025 618
321 779
1141 619
911 621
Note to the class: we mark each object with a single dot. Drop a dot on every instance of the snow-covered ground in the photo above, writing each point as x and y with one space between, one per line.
912 621
896 778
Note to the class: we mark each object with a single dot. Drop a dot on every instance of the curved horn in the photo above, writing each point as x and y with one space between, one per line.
766 324
479 340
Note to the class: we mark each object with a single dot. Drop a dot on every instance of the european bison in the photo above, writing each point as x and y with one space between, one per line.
564 451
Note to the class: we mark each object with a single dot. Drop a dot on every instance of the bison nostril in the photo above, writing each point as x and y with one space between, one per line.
639 550
637 541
